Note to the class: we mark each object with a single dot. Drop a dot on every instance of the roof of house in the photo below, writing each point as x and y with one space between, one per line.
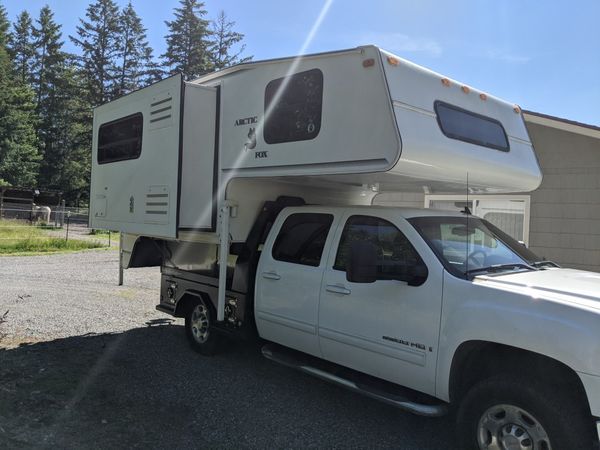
562 124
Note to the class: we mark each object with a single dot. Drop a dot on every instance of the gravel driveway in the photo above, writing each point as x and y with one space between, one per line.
85 363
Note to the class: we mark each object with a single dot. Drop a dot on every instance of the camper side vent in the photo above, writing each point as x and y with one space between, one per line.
156 207
161 110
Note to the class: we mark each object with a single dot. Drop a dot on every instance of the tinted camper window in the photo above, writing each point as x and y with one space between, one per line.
458 123
294 106
120 139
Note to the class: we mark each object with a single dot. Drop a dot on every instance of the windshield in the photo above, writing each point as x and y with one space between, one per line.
474 247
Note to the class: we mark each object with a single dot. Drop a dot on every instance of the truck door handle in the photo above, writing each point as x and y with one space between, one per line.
271 275
337 289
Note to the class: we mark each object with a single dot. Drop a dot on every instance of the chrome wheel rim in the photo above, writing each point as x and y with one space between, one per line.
508 427
200 323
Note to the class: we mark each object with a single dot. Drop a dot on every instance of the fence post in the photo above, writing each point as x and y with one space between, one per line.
62 213
68 220
121 259
108 238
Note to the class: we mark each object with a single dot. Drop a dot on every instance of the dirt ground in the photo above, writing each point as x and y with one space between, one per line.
87 364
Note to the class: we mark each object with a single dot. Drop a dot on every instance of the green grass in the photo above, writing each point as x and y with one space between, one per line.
104 234
18 238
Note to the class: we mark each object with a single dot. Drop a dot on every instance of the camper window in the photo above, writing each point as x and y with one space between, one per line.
458 123
120 139
293 107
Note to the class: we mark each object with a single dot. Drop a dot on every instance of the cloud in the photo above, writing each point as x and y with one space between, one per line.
402 43
498 55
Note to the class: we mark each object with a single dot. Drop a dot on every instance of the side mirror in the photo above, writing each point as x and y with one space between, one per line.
417 275
362 263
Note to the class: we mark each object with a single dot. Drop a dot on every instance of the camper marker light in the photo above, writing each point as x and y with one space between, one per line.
483 97
465 89
517 109
368 62
446 82
392 61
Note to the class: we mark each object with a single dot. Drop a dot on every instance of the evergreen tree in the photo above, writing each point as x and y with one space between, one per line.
98 38
188 40
222 52
67 161
136 66
19 159
21 47
48 58
48 85
4 27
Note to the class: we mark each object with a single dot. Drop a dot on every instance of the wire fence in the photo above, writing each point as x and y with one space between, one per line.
43 223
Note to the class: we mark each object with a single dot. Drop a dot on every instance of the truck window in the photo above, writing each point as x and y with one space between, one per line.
458 123
120 139
293 107
302 238
396 255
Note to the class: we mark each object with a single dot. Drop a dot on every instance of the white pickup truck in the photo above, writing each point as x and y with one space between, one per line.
422 309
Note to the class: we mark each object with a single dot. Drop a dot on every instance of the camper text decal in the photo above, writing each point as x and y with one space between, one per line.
246 121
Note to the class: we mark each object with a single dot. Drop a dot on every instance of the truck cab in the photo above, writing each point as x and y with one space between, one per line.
356 286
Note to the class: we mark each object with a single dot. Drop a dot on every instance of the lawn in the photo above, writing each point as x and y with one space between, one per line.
19 238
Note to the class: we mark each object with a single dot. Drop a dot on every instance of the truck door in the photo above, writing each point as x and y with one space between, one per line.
386 327
288 279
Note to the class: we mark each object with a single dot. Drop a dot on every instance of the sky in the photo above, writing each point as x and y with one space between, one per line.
542 55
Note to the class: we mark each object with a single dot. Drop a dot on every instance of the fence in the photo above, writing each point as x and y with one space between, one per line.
19 223
47 215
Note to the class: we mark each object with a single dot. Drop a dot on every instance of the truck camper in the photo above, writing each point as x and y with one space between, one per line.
251 188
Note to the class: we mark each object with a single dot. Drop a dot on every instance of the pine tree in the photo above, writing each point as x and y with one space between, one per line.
4 27
222 53
48 57
69 164
48 71
136 66
19 159
98 38
21 46
188 40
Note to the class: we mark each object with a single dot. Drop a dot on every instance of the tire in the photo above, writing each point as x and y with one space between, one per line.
531 415
199 317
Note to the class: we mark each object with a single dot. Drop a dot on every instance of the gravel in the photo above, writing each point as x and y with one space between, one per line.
85 363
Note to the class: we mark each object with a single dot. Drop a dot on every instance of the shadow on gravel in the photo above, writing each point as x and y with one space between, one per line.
146 388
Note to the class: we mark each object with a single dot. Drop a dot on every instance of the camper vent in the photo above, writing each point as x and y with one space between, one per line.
161 110
156 208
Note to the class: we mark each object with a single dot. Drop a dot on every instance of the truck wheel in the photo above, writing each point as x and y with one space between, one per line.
198 328
510 413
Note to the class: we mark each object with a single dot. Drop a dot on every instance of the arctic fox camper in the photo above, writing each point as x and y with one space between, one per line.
251 188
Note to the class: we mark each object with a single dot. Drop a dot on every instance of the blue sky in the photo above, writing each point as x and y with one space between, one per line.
543 55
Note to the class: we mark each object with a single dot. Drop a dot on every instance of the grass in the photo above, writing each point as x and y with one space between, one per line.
104 234
16 237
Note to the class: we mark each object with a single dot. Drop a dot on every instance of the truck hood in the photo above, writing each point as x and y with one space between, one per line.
571 285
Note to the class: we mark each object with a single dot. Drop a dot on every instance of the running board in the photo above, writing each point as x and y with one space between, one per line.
310 365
